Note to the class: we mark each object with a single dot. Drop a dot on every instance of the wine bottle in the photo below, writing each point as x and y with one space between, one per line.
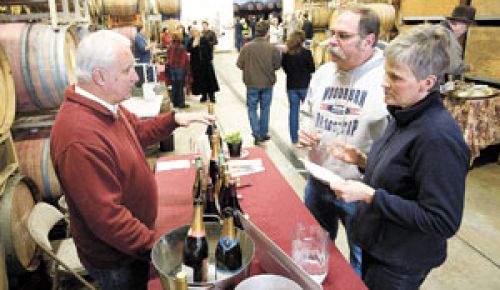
235 203
181 281
212 126
225 194
195 253
228 251
211 212
213 169
198 177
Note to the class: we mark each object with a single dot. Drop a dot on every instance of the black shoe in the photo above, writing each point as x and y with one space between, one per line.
203 99
265 138
185 106
212 100
256 141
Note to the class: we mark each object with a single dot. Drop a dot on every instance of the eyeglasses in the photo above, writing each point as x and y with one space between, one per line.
340 35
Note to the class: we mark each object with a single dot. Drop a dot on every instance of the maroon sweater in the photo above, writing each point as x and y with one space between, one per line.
110 189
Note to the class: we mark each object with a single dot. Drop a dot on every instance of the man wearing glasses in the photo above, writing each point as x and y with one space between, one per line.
345 104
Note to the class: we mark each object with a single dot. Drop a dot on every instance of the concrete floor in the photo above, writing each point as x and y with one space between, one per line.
474 253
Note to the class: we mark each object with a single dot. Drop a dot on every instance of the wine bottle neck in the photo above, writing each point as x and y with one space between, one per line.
197 226
228 228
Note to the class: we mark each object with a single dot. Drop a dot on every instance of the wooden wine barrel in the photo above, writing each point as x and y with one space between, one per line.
4 282
172 7
487 9
481 52
414 8
8 159
35 163
42 62
154 6
120 7
386 14
21 252
320 16
259 6
7 94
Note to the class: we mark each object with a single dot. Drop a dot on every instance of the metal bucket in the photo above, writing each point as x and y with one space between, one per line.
167 257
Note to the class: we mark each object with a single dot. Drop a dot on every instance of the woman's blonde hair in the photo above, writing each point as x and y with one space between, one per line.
294 43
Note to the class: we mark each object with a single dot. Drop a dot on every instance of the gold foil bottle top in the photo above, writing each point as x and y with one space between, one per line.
228 225
197 226
211 109
181 281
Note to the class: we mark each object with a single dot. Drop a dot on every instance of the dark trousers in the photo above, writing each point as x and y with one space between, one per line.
176 77
130 277
149 74
379 276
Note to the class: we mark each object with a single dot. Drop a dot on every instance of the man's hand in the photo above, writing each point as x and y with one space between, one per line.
308 138
351 190
185 119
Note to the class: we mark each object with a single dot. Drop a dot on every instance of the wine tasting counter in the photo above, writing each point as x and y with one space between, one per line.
270 202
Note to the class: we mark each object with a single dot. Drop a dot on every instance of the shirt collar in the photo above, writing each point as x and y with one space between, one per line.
112 108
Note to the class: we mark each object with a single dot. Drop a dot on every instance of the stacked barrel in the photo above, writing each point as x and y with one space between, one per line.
18 194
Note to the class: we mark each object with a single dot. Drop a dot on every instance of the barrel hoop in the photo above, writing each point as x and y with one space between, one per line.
57 55
45 170
25 65
41 62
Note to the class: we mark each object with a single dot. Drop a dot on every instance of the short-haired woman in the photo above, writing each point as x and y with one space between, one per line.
298 64
412 197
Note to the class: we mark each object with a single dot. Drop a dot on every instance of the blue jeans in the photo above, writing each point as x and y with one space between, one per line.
176 77
328 209
295 97
379 276
260 127
130 277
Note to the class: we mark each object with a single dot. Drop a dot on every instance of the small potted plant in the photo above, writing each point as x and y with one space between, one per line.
234 142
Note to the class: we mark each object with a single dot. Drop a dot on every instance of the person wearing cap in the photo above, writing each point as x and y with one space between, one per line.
458 24
259 60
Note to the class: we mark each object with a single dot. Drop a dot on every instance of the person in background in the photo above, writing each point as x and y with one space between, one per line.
259 60
185 35
275 31
411 199
298 64
209 34
238 33
344 104
245 31
166 38
457 25
307 27
96 146
177 67
143 50
202 69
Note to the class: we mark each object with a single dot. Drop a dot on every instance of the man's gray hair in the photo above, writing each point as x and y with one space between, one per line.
424 49
98 50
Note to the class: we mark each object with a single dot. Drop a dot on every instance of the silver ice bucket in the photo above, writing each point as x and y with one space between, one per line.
167 258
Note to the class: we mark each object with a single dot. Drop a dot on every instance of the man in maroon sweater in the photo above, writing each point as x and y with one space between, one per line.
96 148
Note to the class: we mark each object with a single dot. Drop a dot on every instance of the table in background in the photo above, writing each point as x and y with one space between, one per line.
270 202
479 120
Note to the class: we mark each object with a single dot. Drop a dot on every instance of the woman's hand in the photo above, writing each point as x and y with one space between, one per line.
347 153
351 190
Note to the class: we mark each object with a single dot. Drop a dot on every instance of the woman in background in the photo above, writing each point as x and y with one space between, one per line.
177 67
298 64
202 69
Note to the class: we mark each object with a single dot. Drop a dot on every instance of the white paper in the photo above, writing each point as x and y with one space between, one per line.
171 165
245 167
321 173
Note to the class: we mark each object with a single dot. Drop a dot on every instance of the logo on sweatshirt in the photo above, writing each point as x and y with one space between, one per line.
338 109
